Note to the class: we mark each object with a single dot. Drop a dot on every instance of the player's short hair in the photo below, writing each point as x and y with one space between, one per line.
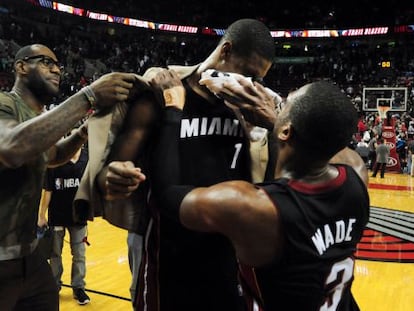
323 118
250 36
26 51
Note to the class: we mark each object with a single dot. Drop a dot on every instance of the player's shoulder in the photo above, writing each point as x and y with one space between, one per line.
8 103
6 98
151 72
182 71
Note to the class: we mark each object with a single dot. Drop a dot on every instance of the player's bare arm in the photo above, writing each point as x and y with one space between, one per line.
121 177
242 212
65 148
19 142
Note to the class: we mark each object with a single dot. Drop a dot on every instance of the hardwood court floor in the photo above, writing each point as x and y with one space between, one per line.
107 271
380 284
388 285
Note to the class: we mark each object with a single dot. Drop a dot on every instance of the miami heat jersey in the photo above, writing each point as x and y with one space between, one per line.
198 271
212 143
322 225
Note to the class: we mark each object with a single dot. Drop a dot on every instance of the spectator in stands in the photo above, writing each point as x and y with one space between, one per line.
410 163
410 130
363 150
372 146
401 148
382 154
362 127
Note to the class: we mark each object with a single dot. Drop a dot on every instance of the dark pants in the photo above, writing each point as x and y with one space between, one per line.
27 284
377 167
372 157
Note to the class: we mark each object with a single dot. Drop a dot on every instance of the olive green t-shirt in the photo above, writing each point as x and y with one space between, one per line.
20 190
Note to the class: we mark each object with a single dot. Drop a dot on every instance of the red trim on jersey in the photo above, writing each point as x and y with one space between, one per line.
148 296
252 294
320 187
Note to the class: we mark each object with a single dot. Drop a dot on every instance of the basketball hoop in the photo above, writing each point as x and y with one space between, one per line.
382 110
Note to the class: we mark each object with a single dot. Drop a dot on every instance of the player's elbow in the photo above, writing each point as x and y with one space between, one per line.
194 213
208 209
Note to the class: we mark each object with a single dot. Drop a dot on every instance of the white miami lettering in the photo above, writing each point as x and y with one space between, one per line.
210 126
331 234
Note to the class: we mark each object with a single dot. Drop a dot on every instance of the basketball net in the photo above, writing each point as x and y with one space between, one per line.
382 110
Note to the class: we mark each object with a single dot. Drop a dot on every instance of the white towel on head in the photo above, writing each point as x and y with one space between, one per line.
257 133
214 80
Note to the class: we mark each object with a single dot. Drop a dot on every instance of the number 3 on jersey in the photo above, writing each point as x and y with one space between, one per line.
341 273
236 155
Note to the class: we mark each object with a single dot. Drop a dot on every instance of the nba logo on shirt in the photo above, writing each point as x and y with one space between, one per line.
58 183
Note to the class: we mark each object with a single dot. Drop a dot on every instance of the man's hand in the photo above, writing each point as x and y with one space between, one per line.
169 88
112 88
122 178
255 102
42 221
83 130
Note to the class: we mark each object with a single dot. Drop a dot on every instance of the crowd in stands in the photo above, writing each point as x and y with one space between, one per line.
89 49
218 13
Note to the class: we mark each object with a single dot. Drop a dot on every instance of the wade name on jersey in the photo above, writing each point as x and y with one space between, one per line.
330 234
210 126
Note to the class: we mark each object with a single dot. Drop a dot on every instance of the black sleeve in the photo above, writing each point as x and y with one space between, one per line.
48 180
167 189
273 151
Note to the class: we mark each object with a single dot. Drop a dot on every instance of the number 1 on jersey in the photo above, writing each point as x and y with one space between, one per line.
236 155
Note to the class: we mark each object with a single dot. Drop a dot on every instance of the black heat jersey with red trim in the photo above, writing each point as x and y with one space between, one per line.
198 271
322 225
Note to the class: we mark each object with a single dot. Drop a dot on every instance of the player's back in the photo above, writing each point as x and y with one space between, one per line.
322 225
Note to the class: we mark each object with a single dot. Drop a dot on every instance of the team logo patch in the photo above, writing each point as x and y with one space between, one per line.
389 236
58 183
